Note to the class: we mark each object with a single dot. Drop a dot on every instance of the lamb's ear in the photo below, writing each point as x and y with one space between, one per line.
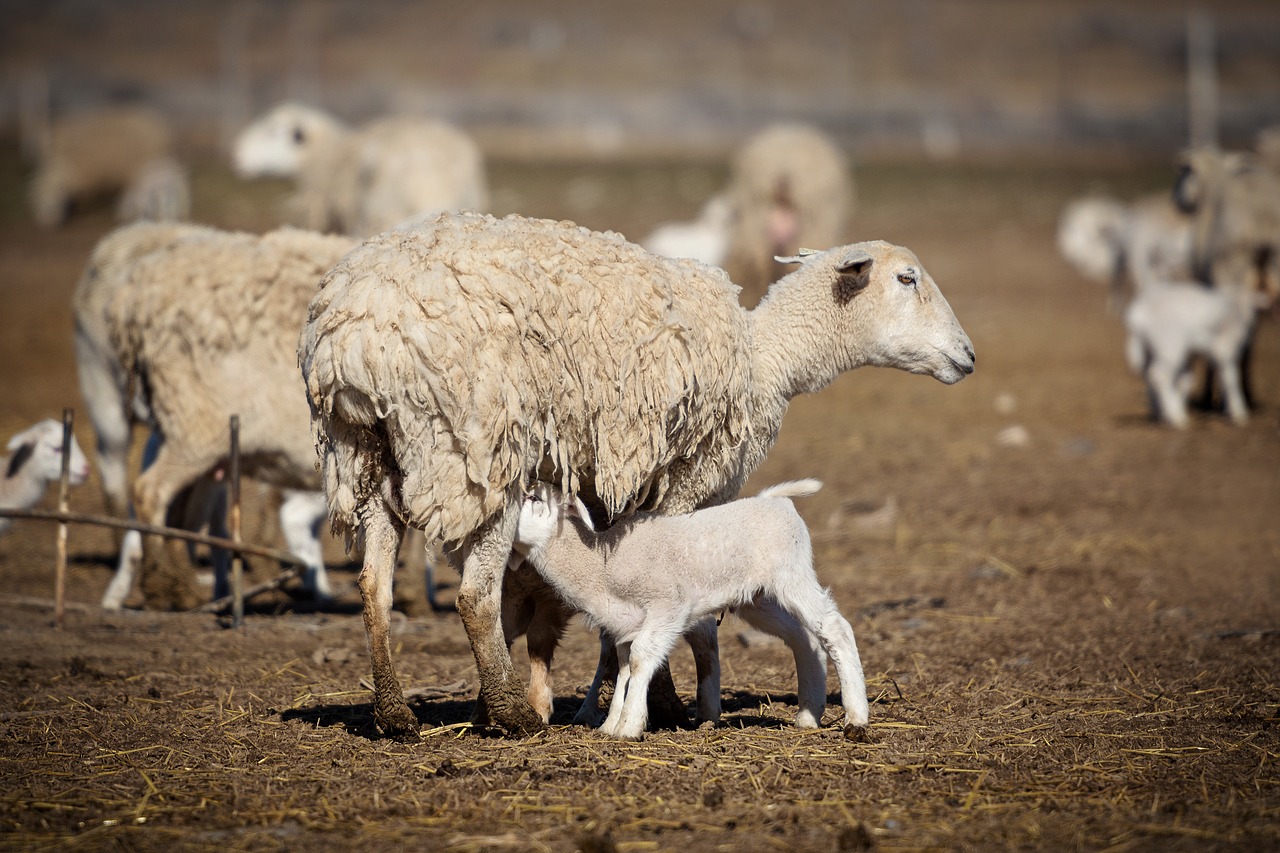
577 509
799 257
21 454
854 270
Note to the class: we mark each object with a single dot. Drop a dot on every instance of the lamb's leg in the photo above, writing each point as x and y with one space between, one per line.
816 610
382 532
113 433
1162 377
126 571
1233 389
705 643
645 655
811 662
666 710
610 724
102 384
484 558
301 515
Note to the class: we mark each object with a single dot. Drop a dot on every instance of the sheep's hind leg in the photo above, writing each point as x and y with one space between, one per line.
705 643
382 534
502 701
814 607
811 662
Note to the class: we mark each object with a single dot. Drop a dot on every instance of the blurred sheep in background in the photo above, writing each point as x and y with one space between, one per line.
122 150
365 180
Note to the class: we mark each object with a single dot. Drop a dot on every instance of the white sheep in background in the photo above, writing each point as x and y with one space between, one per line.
34 462
1171 322
1126 246
206 326
449 364
789 186
649 578
705 239
365 180
108 150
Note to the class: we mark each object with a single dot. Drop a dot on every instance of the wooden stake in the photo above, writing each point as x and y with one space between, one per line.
233 516
64 488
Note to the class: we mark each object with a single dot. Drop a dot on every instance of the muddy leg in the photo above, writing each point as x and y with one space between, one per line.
381 543
484 555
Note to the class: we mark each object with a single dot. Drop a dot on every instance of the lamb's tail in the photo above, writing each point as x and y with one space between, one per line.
792 489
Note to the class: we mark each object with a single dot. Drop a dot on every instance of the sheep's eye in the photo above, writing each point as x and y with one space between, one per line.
907 278
299 136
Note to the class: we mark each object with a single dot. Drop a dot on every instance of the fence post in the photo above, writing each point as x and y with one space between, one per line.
233 513
64 488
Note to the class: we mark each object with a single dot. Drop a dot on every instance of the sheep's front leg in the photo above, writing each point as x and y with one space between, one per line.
606 670
636 667
167 584
610 724
382 534
484 555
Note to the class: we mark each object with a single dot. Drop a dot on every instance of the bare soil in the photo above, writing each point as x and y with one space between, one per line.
1070 644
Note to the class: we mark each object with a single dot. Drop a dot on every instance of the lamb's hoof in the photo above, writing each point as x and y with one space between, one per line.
398 724
856 734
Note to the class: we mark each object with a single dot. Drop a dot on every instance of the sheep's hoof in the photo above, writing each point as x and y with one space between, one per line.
515 717
397 723
856 734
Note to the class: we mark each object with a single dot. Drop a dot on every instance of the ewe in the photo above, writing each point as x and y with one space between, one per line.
649 578
34 462
451 363
367 180
203 327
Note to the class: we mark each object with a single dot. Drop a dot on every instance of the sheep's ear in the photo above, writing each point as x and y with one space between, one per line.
799 257
20 457
856 262
854 274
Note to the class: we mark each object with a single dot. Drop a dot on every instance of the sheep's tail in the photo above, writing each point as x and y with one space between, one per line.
792 489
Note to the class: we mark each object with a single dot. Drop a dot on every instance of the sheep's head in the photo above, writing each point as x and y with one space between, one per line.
543 513
878 306
37 452
278 143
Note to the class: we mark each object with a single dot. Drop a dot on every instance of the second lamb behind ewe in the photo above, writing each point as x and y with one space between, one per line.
649 578
34 462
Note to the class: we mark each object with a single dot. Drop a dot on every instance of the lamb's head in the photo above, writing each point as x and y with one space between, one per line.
875 304
278 143
542 515
36 452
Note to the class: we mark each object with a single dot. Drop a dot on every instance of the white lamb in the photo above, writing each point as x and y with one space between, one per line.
365 180
1171 322
34 462
704 239
651 577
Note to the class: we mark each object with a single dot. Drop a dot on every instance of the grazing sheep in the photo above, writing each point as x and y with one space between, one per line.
94 153
367 180
705 239
450 363
1169 323
789 186
650 577
1125 245
34 462
206 327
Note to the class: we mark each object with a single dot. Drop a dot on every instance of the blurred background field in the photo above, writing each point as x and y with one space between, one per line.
1069 615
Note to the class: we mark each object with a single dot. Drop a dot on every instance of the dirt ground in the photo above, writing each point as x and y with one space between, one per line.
1070 643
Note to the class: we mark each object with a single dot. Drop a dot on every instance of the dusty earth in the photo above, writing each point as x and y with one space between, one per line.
1070 644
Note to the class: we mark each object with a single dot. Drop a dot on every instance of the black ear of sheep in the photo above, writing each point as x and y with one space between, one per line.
20 457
